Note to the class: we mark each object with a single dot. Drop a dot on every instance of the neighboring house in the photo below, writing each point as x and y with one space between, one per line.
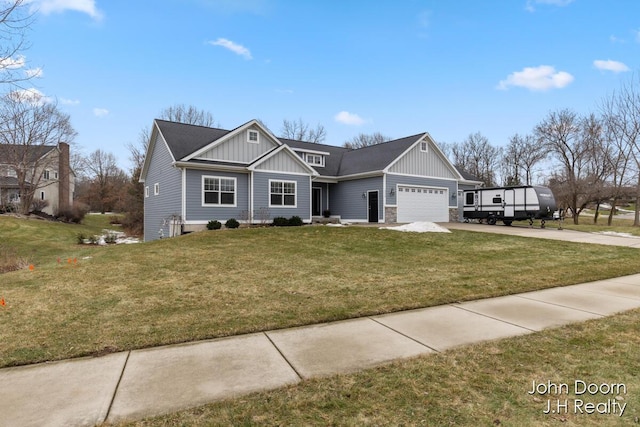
47 173
194 174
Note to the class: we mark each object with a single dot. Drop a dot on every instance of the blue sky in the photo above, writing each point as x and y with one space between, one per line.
450 68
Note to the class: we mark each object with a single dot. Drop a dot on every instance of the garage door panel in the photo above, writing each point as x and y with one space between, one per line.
422 204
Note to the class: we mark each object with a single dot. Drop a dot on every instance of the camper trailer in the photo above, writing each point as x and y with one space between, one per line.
508 204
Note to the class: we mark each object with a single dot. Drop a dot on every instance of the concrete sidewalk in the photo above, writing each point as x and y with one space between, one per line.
136 384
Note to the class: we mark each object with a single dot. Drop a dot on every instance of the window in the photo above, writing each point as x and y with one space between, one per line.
42 195
424 146
497 200
218 191
146 191
282 193
253 136
315 159
45 175
156 189
55 175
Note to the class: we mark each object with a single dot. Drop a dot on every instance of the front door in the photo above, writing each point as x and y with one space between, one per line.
509 203
373 206
316 202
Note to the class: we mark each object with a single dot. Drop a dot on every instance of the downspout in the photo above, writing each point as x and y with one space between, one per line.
250 204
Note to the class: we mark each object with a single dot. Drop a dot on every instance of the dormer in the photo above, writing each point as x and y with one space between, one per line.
312 157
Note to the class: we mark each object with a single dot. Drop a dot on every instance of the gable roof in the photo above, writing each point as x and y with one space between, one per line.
184 139
331 162
375 157
10 152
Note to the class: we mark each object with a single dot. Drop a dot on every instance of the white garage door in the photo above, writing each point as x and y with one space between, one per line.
423 204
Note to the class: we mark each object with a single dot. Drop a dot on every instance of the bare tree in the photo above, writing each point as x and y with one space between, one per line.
622 151
28 129
478 157
104 174
574 142
301 131
188 114
365 140
14 22
519 159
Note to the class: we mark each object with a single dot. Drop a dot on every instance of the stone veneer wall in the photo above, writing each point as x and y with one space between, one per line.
454 215
390 214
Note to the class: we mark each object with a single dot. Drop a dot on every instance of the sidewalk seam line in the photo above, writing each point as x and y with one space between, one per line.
404 335
563 306
115 391
283 356
494 318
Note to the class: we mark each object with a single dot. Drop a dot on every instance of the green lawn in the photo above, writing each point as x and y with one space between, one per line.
225 282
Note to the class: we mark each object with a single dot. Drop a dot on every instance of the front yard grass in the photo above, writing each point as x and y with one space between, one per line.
478 385
220 283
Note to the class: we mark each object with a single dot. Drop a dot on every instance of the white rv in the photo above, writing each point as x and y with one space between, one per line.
508 204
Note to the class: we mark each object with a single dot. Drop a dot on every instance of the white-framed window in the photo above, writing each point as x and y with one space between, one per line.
282 193
42 195
45 174
55 175
146 191
156 189
253 136
424 146
315 159
218 191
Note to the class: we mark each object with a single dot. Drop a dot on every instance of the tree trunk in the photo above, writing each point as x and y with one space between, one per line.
614 203
596 214
636 219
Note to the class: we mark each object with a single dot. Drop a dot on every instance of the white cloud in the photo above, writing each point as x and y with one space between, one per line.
348 118
34 72
65 101
31 96
530 5
47 7
100 112
233 47
609 65
542 78
13 63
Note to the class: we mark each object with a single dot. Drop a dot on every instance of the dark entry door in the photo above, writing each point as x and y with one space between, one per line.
316 203
373 206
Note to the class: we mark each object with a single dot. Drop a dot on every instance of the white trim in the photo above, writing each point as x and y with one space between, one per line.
295 194
211 167
422 176
219 204
249 133
184 194
146 191
377 208
206 159
316 156
304 150
156 189
292 155
426 146
233 134
281 172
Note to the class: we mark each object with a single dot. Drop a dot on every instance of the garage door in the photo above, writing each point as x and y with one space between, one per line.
423 204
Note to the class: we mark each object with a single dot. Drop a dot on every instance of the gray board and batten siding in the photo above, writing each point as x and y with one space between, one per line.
239 149
160 208
282 161
424 163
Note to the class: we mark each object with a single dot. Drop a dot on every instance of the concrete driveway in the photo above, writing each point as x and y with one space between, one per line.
547 233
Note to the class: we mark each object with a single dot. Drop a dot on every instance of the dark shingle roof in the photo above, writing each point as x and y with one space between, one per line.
9 153
375 157
332 161
184 139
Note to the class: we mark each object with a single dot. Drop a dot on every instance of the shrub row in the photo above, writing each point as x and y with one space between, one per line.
216 225
294 221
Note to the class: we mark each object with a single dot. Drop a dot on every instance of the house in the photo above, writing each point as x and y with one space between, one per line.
43 170
193 174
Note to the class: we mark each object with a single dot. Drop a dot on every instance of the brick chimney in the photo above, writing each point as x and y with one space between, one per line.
64 174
